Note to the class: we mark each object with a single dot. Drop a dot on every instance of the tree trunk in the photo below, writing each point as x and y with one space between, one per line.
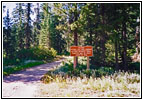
20 33
90 34
28 26
37 22
75 34
90 29
76 44
124 32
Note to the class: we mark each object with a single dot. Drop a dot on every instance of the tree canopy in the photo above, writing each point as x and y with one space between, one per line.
111 28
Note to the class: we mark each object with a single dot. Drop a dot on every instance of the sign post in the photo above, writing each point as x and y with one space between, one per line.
87 62
81 51
74 62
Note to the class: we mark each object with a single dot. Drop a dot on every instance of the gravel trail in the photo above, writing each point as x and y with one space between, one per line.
25 83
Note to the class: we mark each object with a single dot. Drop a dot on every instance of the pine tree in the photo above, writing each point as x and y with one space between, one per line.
36 25
28 31
44 32
18 20
7 37
69 15
57 41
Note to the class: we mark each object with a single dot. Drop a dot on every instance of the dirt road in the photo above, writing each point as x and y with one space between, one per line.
25 83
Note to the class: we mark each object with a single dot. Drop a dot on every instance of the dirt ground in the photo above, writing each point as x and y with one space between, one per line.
25 83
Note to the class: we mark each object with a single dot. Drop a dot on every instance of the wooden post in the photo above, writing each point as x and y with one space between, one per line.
74 62
87 62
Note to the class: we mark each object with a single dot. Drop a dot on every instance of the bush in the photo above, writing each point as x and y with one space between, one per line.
67 67
7 61
37 53
34 53
105 71
135 66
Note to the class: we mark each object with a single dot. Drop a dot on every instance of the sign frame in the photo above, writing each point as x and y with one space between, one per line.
83 52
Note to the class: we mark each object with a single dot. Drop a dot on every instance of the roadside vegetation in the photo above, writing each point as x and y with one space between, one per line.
120 84
15 68
26 58
96 82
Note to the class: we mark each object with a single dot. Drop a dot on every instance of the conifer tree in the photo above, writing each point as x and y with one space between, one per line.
36 26
18 20
7 36
44 32
28 31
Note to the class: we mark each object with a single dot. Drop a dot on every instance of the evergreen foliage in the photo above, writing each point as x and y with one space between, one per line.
111 28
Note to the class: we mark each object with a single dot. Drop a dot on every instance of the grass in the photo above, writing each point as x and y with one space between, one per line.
119 84
7 70
96 82
67 70
10 70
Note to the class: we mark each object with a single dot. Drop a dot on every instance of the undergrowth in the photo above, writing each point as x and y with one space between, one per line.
15 68
67 70
97 82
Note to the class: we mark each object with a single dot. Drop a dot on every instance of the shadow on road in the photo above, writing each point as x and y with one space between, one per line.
33 74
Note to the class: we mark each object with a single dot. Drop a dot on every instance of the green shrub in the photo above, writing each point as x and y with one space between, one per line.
24 54
65 68
37 53
88 73
7 62
135 66
53 52
81 67
75 72
106 70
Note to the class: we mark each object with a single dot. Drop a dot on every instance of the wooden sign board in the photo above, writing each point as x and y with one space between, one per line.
81 51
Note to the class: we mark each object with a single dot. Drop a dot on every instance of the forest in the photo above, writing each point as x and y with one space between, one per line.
42 32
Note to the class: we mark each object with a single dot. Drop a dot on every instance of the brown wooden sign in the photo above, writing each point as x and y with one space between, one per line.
81 51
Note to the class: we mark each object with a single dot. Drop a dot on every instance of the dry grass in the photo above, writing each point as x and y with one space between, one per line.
120 84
